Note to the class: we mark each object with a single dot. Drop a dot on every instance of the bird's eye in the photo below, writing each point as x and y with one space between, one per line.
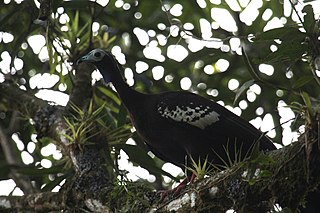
97 54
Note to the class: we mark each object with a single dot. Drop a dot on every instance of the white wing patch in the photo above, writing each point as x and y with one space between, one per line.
199 116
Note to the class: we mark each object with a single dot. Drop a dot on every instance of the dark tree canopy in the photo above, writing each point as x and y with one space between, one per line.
258 58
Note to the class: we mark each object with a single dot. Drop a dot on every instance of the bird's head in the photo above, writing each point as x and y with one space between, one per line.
103 61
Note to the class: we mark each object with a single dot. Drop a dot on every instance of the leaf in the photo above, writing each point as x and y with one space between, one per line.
283 33
263 159
302 81
285 210
144 8
53 59
139 156
242 89
6 17
84 29
110 94
99 101
122 116
291 47
307 1
90 107
4 170
287 51
75 23
80 5
119 135
265 173
307 101
309 20
49 186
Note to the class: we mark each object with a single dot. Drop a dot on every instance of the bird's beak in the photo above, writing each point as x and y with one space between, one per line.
82 59
79 61
85 58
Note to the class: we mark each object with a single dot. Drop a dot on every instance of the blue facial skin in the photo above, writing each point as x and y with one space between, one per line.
96 57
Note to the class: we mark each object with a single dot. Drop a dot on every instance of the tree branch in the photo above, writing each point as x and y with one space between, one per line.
287 184
22 182
19 100
82 90
39 202
290 181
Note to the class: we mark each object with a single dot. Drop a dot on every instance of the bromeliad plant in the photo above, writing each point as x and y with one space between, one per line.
81 126
201 168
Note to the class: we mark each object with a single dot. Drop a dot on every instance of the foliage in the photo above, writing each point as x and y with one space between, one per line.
81 126
200 169
129 197
133 29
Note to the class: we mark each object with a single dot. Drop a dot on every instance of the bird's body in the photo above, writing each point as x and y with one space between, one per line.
179 125
176 125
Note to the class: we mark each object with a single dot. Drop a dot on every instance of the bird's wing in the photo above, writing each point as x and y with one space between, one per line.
202 113
193 112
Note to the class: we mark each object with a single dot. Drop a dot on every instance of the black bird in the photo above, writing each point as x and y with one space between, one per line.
178 126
